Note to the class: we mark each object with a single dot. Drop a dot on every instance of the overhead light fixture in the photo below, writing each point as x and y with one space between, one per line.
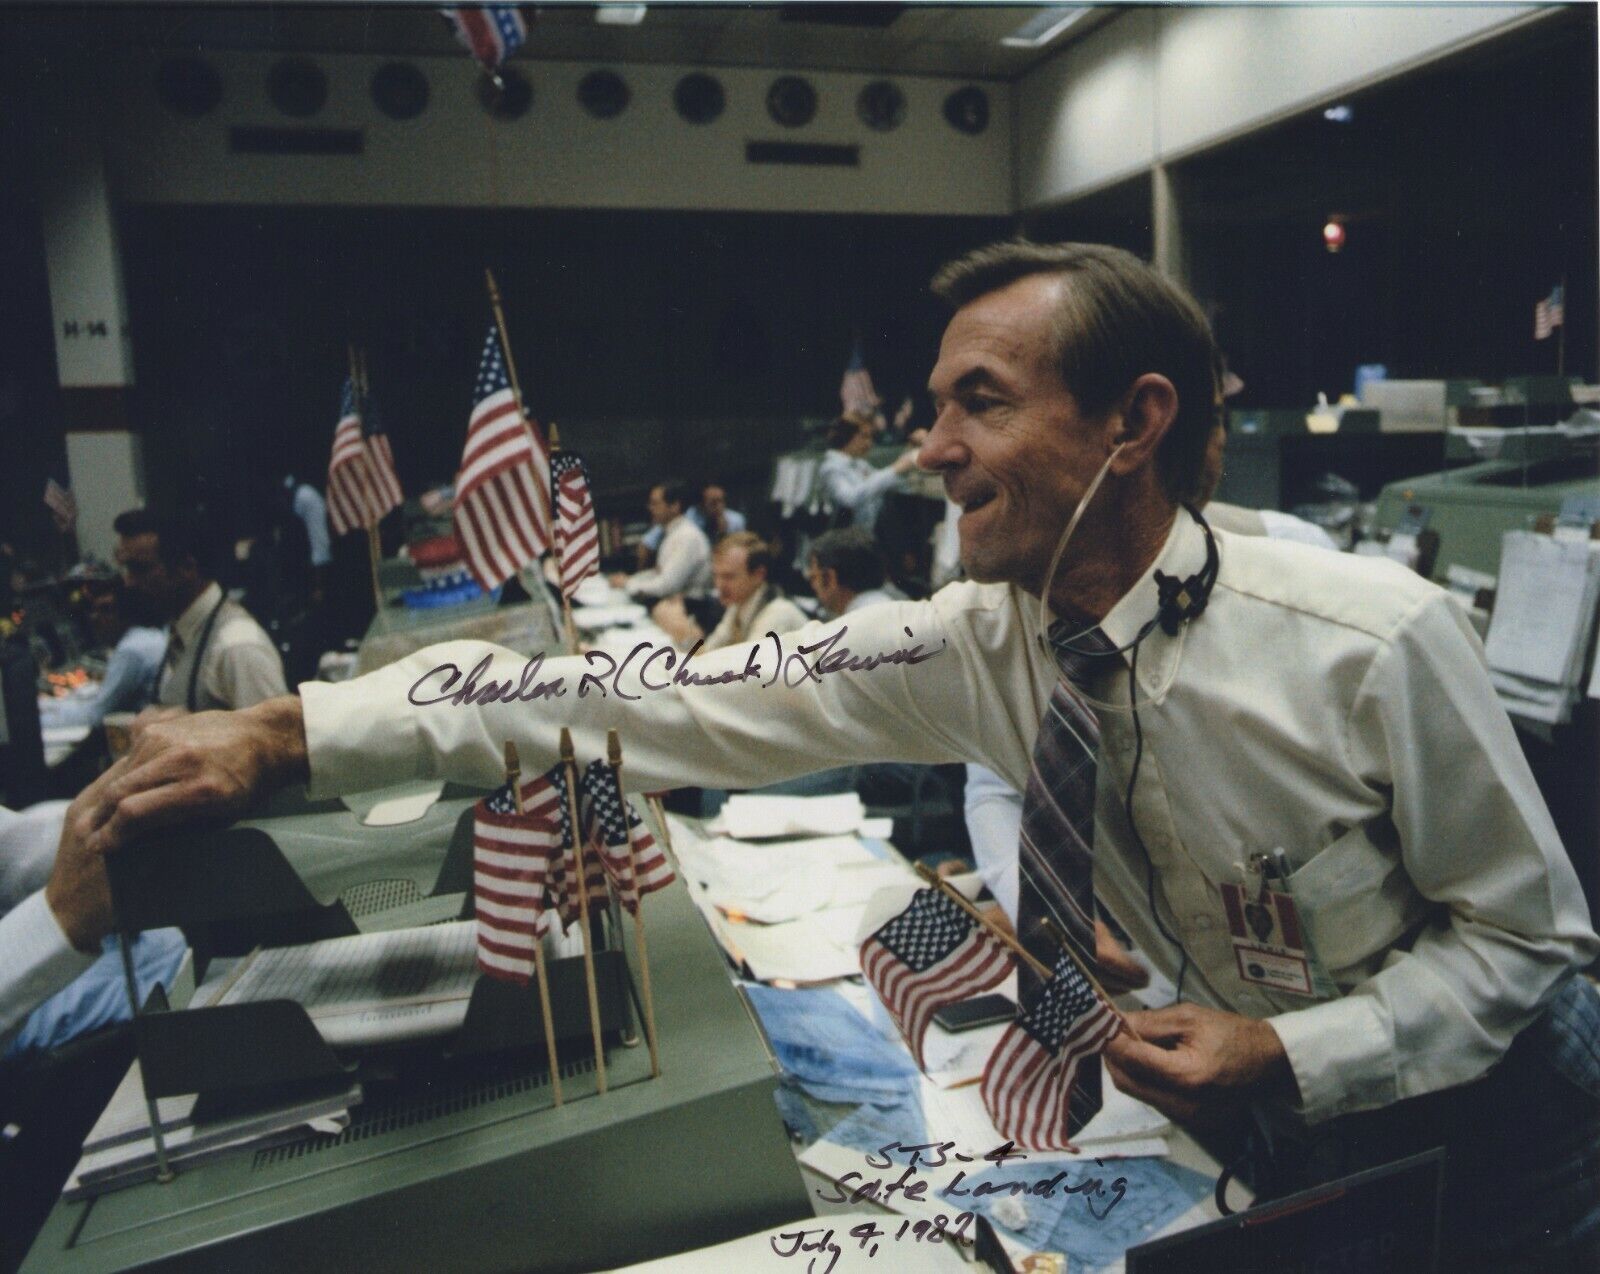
1045 26
620 15
1340 114
1333 234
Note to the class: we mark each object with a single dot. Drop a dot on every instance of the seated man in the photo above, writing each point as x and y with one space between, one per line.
61 976
846 571
753 607
217 655
683 562
712 515
131 672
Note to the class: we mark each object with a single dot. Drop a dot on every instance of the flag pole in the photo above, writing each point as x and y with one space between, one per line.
554 436
358 382
1561 336
659 811
614 751
514 780
954 894
569 766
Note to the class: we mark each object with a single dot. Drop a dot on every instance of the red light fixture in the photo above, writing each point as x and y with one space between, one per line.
1333 235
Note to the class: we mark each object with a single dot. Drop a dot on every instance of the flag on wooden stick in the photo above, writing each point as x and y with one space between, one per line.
1042 1082
613 829
512 857
502 515
930 955
362 483
577 538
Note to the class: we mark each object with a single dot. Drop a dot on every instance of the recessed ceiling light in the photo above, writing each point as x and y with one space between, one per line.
1340 114
620 15
1045 26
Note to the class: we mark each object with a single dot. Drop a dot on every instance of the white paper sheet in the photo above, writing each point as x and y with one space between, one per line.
748 816
400 810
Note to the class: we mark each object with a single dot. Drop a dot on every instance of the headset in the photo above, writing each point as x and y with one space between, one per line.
1179 601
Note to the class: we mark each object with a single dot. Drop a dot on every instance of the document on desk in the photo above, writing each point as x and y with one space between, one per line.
119 1150
749 816
370 988
1545 607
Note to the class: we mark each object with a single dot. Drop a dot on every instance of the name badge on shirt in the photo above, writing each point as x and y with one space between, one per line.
1270 946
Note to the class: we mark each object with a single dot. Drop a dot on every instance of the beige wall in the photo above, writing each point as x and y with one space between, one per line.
1158 83
556 155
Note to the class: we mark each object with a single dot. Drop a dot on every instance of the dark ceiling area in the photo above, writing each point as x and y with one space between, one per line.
1466 192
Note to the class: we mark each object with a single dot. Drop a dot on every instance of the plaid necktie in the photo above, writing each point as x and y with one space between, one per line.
1056 852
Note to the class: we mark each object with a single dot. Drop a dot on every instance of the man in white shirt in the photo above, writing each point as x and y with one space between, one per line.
217 655
848 481
1334 708
752 605
846 571
683 562
712 515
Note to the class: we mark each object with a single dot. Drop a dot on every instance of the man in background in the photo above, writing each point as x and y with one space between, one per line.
752 605
136 652
683 562
217 655
846 571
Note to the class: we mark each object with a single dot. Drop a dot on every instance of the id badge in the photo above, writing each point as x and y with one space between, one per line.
1270 946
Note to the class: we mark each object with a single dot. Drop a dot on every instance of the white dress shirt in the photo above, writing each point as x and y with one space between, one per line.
683 564
851 482
1335 707
239 666
39 961
765 610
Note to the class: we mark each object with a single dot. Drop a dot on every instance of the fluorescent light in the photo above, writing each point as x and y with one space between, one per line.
620 15
1045 26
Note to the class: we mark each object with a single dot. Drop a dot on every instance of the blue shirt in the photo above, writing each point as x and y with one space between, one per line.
129 683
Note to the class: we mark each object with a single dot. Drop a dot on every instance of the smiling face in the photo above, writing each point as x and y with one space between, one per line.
1014 450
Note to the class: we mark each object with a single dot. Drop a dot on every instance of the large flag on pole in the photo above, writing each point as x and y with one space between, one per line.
930 955
491 32
362 484
1042 1082
612 828
856 392
501 513
1550 313
577 538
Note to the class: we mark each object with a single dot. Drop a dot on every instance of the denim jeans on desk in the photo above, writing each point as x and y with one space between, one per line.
1522 1167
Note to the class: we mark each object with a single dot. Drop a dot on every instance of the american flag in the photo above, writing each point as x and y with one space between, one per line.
610 825
512 857
63 507
362 485
1036 1087
577 537
502 514
491 32
930 955
1550 313
855 390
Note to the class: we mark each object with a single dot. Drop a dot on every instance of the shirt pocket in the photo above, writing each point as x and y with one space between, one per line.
1354 901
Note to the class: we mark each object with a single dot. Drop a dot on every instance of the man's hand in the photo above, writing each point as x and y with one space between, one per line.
208 765
1197 1065
78 892
673 618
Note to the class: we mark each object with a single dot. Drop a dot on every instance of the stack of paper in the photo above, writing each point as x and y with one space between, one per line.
119 1150
750 816
370 988
1544 616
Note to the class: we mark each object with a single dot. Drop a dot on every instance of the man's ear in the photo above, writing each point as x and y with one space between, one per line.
1147 412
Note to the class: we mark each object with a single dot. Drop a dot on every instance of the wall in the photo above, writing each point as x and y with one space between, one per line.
555 156
1158 83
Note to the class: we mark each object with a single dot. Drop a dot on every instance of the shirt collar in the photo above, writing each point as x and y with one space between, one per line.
188 625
